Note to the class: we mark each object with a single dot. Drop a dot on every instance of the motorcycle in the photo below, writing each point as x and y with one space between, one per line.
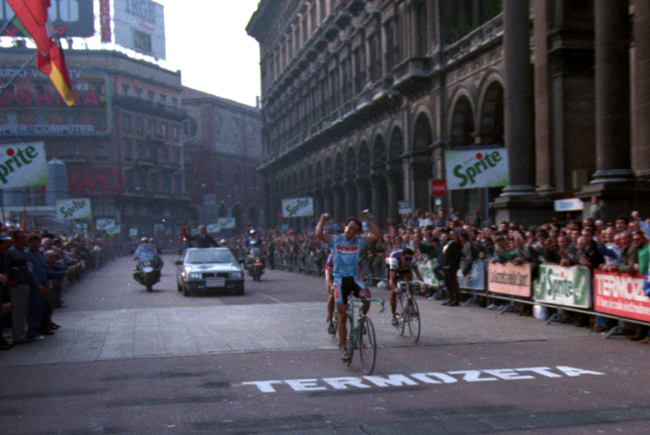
255 266
147 272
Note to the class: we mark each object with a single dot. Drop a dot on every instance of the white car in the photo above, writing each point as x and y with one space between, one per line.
203 270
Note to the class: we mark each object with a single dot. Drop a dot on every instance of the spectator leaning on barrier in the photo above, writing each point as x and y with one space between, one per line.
628 255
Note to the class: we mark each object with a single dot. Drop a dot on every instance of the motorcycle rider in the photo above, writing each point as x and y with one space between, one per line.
252 237
145 251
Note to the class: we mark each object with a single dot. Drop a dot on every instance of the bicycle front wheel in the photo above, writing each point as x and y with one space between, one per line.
367 345
413 317
401 314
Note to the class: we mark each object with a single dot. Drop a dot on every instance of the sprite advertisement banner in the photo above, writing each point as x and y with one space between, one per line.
222 224
297 207
426 270
485 167
23 164
78 208
568 286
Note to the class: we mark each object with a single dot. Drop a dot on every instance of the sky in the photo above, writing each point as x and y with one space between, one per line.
207 41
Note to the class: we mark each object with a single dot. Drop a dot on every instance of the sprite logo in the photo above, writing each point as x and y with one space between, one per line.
295 208
566 286
17 159
69 211
484 163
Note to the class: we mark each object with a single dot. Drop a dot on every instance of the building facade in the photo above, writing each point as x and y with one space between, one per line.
223 150
362 98
121 143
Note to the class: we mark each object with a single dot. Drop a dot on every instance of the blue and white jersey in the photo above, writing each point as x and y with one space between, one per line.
346 254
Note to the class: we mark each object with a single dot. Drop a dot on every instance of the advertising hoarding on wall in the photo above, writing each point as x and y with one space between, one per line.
75 208
140 25
22 165
297 207
68 18
469 169
33 107
510 279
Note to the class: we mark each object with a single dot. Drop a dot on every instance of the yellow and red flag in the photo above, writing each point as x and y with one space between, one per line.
49 58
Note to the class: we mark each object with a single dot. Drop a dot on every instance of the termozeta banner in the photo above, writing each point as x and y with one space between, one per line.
23 164
297 207
469 169
78 208
568 286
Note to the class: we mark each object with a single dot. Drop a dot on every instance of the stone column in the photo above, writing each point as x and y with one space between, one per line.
392 197
519 98
376 183
350 199
543 148
641 133
612 92
363 199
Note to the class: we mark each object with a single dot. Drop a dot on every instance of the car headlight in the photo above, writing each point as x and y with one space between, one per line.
194 275
235 275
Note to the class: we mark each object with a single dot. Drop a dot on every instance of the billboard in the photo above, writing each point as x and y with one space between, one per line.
33 107
77 208
297 207
95 181
469 169
23 164
140 25
68 18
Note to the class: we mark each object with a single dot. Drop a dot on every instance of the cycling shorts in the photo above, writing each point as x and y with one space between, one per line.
346 285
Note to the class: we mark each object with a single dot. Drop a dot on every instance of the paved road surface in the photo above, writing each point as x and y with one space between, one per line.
131 362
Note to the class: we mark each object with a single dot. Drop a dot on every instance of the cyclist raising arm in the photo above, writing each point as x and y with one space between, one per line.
401 265
345 249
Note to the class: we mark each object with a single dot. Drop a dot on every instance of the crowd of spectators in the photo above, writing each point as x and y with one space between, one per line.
36 267
620 246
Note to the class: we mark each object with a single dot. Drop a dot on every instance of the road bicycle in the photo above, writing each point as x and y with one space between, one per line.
407 311
361 334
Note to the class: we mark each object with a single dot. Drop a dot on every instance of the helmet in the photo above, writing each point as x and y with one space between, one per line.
253 232
144 240
150 240
222 242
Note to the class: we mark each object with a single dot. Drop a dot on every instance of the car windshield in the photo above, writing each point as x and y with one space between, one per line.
209 256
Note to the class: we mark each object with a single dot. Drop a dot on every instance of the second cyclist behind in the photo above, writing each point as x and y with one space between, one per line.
401 265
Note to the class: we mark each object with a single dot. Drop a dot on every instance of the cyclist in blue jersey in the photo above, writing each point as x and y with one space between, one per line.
345 249
401 265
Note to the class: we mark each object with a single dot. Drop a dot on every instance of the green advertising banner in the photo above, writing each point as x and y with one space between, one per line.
426 270
22 165
297 207
78 208
485 167
559 285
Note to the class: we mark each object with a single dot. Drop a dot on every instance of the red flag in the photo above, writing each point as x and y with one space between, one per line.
183 231
49 58
23 224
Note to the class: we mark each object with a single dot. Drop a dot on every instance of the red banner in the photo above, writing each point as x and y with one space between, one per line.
105 20
621 295
95 181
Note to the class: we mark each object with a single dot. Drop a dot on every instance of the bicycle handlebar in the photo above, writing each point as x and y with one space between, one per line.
403 284
358 302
